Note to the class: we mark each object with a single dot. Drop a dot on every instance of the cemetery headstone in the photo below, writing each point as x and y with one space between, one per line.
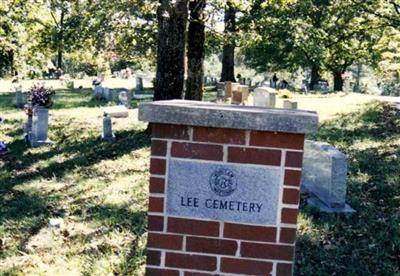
125 97
265 96
139 84
324 176
110 95
220 91
18 97
240 95
248 82
289 104
224 187
105 93
40 126
305 85
98 92
107 133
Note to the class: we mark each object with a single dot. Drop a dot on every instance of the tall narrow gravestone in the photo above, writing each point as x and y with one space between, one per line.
40 124
224 187
18 97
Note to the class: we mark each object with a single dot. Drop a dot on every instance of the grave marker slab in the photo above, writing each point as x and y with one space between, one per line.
289 104
324 175
224 186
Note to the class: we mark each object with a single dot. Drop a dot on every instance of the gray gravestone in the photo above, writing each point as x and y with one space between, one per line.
107 129
139 84
324 176
125 97
40 126
108 94
220 91
98 92
18 97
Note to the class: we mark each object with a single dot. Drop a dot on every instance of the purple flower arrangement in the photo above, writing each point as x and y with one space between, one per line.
39 95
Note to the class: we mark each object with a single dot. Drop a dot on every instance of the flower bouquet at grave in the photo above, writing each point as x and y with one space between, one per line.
39 95
285 94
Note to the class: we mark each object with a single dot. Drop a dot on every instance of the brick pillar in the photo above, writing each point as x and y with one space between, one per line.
197 224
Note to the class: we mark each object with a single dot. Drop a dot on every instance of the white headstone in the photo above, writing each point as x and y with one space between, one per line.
290 105
265 96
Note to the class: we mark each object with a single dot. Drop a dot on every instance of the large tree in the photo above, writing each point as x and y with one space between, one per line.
195 51
228 54
318 34
172 21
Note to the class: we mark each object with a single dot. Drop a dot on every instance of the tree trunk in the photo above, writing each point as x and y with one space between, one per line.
228 54
61 40
172 19
358 78
196 51
315 76
337 80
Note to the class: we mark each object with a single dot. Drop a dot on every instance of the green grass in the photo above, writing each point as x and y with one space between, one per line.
100 189
367 243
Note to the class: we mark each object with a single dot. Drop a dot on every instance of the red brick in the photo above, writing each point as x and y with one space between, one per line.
267 251
294 159
292 178
158 148
157 166
254 156
153 257
161 272
215 246
193 227
165 241
190 261
287 235
283 269
289 215
291 196
247 267
167 131
157 185
155 223
156 204
188 273
219 135
197 151
277 140
249 232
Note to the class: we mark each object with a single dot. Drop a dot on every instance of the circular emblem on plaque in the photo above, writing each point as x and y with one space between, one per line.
223 182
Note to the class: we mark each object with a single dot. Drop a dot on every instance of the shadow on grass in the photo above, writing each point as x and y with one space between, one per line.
28 211
87 153
368 242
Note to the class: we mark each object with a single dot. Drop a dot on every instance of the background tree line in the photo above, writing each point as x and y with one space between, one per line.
176 36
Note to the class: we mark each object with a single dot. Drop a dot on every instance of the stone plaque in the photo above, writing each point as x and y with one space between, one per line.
226 192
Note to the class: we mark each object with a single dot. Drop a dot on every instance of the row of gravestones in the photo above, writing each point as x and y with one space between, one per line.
108 94
262 96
